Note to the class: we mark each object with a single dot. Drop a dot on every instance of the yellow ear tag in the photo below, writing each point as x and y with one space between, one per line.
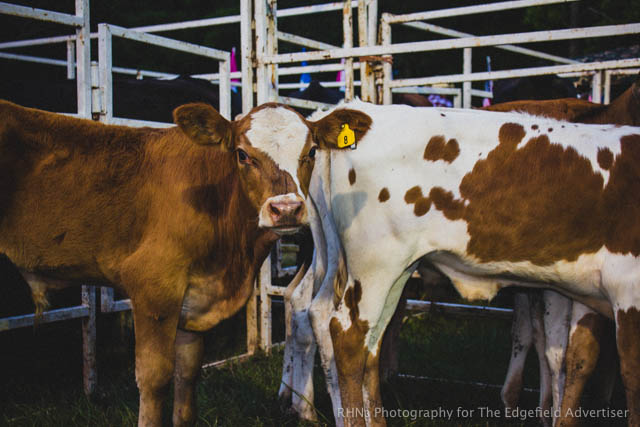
346 137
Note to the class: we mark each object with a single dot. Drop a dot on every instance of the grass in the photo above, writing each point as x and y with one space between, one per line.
41 383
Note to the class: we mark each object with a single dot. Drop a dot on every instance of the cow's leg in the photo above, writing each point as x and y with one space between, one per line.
320 314
155 356
556 328
583 350
539 340
189 354
521 339
284 392
297 298
356 328
627 327
303 351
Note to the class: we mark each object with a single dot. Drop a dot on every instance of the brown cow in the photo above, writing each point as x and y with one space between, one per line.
179 219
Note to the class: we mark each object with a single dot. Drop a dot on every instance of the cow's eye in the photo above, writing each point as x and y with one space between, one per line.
312 153
243 157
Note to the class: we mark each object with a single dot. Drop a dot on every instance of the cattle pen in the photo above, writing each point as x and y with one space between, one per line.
367 66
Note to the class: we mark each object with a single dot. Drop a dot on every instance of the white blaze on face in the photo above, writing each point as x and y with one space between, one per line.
281 134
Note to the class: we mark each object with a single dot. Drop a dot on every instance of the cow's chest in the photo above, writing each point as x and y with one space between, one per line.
209 299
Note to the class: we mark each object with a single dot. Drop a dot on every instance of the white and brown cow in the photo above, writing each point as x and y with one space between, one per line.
179 219
569 337
490 199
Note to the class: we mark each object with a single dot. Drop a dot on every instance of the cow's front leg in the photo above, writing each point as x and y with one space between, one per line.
627 327
155 355
296 387
189 354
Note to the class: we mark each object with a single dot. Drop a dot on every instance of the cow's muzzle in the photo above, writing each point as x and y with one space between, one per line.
283 214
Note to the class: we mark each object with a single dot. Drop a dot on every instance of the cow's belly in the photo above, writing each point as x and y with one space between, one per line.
474 280
210 300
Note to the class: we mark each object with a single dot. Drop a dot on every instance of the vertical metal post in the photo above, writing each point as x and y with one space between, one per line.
372 38
106 299
596 87
607 87
387 67
261 51
252 320
246 62
272 48
83 59
89 370
71 60
96 97
264 281
224 69
347 28
363 40
457 102
372 32
466 69
106 76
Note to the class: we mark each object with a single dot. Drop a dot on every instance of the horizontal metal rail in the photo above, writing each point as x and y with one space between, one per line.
168 43
434 45
41 14
303 41
461 382
520 72
320 68
138 123
36 59
56 315
472 10
208 22
511 48
459 309
308 10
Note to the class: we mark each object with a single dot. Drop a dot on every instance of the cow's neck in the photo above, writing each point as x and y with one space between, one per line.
222 225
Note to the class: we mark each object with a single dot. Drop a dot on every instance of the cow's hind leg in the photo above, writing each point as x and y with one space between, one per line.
521 340
189 354
627 330
357 328
556 328
583 350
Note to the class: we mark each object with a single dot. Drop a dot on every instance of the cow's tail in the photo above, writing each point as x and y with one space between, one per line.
39 297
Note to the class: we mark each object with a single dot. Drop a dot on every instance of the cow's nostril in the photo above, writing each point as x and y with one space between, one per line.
298 209
274 210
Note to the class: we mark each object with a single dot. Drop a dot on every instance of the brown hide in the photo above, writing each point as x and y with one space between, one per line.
624 110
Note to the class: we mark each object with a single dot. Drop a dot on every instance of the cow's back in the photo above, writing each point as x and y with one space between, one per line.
69 188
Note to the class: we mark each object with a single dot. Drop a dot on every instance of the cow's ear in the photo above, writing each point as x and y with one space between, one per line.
326 130
203 124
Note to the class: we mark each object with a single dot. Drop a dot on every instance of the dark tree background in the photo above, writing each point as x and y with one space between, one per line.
326 27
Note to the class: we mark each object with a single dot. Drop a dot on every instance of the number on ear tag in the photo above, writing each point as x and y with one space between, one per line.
346 137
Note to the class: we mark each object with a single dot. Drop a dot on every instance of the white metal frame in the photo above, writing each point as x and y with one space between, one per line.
467 41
